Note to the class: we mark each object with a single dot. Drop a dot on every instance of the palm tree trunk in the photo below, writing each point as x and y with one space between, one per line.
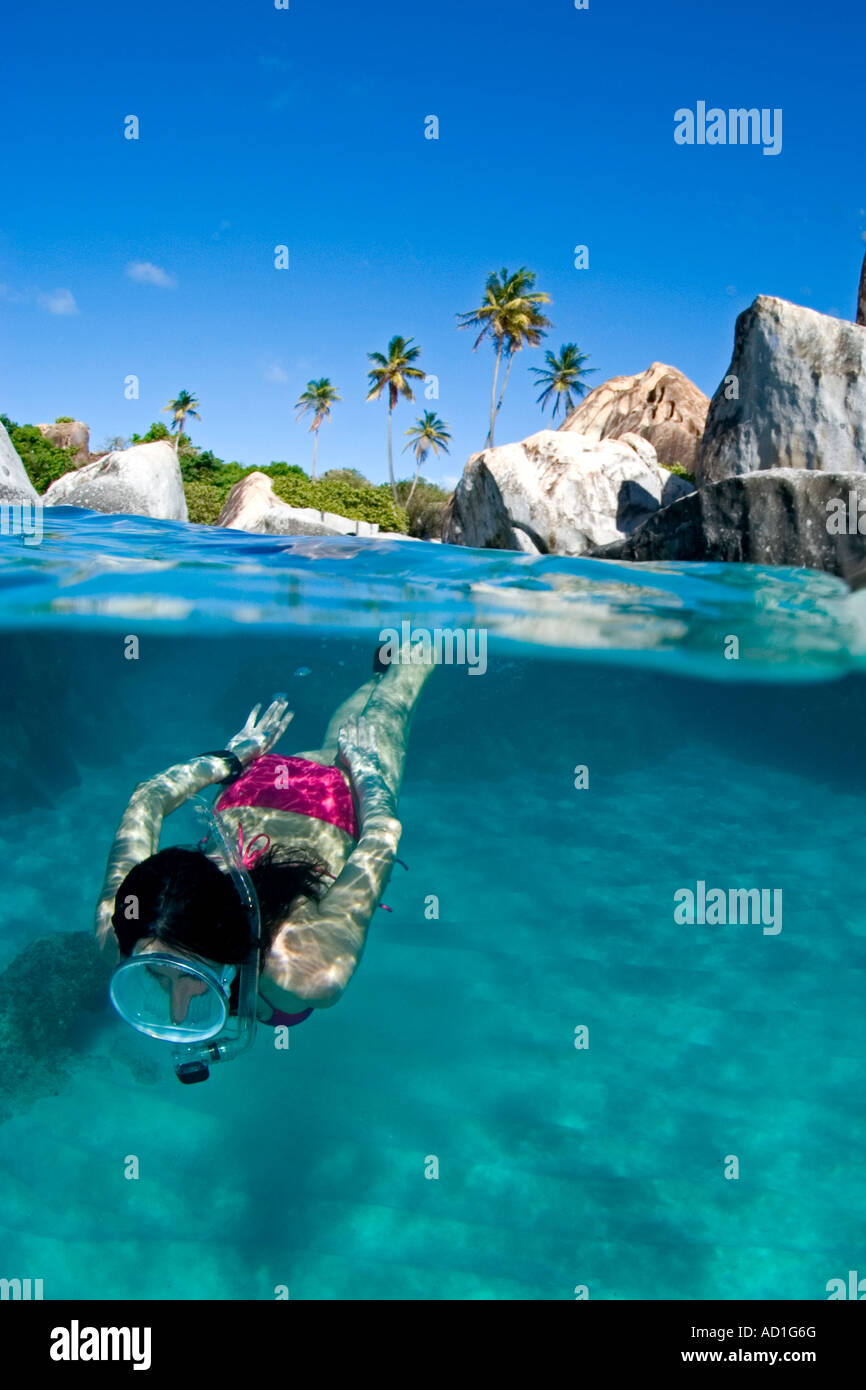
489 443
861 298
315 448
178 435
505 382
419 459
391 453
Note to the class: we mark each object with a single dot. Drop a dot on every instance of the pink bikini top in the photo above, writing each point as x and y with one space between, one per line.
295 784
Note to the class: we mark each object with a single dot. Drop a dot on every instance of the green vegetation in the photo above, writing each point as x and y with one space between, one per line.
157 431
43 461
65 420
346 475
680 471
394 373
317 399
425 504
204 502
509 315
562 379
207 482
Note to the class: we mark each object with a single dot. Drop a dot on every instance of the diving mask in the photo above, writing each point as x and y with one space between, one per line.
184 998
175 998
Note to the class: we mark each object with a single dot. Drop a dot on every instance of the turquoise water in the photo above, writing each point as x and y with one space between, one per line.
558 1167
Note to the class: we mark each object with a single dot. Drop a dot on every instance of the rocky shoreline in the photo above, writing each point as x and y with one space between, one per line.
779 460
771 471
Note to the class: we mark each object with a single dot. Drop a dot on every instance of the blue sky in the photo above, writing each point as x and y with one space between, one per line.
305 127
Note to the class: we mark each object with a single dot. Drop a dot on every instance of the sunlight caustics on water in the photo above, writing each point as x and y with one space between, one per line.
559 1166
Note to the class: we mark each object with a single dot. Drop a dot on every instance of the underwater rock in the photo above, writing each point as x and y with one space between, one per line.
794 395
15 486
142 481
42 992
780 516
252 505
660 405
558 493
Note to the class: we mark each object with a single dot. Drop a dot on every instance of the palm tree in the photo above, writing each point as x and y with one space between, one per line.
562 378
318 398
509 315
180 408
394 372
428 432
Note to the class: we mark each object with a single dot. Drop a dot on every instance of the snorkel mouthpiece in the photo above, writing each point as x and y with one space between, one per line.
190 1072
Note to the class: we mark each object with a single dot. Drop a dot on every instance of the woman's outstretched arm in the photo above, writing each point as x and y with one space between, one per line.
316 952
138 834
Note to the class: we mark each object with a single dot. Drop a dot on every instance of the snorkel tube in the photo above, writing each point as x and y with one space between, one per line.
192 1061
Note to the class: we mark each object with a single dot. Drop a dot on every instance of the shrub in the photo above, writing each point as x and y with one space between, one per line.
366 503
427 508
65 420
204 502
283 470
345 475
206 460
199 465
157 430
680 471
44 462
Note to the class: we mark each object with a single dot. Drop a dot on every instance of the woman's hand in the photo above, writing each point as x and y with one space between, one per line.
259 735
357 751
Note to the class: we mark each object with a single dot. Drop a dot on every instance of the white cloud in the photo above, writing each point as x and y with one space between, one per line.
145 273
276 373
59 302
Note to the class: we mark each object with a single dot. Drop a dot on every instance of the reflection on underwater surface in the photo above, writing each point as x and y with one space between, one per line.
531 909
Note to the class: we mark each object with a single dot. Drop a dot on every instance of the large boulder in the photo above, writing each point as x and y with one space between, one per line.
15 486
142 481
252 505
69 434
660 404
783 516
794 395
557 493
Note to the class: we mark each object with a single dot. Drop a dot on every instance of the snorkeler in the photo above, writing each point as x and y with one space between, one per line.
264 918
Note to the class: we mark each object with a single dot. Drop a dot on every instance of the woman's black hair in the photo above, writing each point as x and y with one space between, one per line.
280 877
182 898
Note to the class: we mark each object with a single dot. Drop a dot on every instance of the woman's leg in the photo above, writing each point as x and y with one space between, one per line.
352 705
388 702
